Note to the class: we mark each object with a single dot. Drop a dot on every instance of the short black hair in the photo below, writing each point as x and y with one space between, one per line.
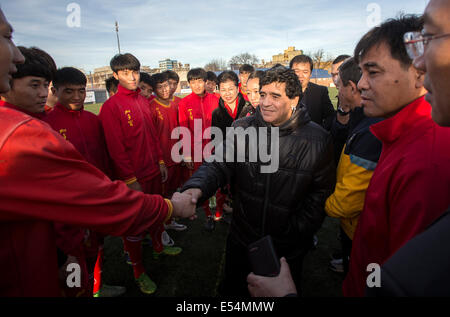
350 71
246 68
159 78
257 74
390 32
303 59
37 63
124 61
69 76
196 73
277 65
111 84
146 78
211 76
228 75
287 76
173 75
340 58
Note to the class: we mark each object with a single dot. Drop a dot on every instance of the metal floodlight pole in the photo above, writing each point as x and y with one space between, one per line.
117 33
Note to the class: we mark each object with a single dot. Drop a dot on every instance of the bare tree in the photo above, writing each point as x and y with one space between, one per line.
216 65
320 60
244 58
317 58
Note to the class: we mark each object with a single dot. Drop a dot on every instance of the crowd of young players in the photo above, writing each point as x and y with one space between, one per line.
130 140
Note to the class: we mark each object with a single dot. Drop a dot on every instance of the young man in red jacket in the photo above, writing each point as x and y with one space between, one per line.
82 129
164 110
146 86
244 72
135 151
195 114
174 79
409 188
42 174
29 85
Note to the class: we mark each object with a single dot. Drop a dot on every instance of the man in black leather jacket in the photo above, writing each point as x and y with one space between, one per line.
288 203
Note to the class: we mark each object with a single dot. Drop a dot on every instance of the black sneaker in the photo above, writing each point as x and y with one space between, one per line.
210 224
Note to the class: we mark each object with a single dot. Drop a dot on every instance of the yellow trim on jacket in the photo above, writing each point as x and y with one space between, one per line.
347 201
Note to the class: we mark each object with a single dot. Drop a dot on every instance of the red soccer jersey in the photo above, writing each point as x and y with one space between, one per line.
165 120
193 107
43 179
131 136
83 129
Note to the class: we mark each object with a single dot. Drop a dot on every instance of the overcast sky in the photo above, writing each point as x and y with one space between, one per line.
194 31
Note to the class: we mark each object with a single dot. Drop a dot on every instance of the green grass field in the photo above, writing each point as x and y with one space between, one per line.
197 271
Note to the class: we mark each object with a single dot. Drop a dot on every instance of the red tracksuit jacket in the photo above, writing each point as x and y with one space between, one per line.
40 116
130 136
194 107
43 179
408 190
165 120
82 129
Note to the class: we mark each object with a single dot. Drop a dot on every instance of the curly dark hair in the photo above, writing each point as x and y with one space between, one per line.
284 75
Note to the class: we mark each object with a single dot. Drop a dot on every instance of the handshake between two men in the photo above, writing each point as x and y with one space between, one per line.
185 203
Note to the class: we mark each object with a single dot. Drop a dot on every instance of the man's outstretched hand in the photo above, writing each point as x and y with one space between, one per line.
194 194
184 204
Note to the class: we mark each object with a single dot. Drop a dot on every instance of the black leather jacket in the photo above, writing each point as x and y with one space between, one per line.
287 204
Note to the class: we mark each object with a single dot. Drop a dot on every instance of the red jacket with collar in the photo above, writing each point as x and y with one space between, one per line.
165 120
84 130
40 115
43 179
408 190
194 107
130 136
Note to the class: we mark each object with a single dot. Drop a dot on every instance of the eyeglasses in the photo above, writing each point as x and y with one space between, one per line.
415 42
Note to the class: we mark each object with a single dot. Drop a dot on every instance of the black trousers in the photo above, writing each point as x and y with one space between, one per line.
346 244
237 267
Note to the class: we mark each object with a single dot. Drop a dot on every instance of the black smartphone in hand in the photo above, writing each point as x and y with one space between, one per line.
263 257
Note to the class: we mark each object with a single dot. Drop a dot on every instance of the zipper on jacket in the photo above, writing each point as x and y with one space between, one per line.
265 206
267 189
